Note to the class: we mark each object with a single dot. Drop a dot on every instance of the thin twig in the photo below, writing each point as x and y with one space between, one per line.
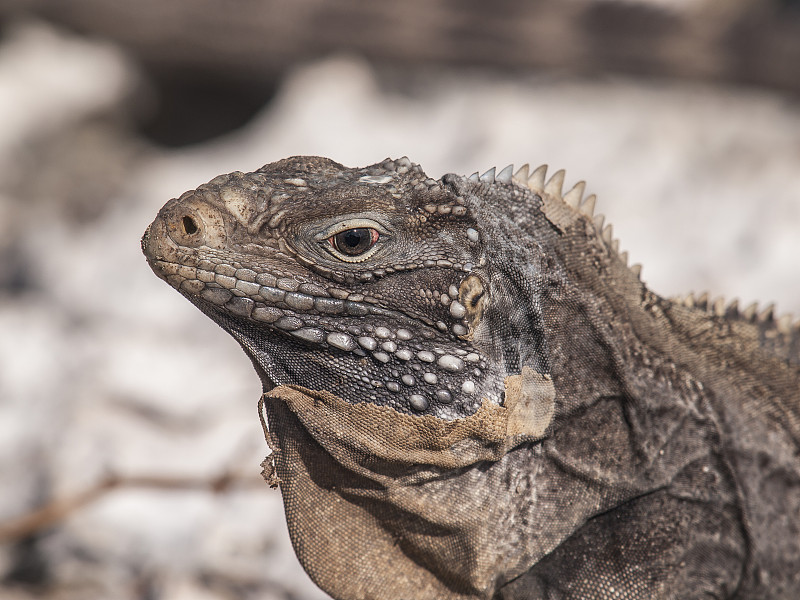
59 509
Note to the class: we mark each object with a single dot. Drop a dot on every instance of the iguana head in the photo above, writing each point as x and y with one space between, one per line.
376 284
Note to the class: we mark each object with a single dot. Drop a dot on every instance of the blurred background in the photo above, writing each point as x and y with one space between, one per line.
129 438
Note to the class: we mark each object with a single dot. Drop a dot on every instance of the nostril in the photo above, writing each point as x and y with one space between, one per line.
189 226
192 225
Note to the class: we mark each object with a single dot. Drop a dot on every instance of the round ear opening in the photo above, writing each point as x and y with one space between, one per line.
472 295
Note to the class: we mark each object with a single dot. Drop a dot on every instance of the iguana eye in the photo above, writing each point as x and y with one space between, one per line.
354 242
354 239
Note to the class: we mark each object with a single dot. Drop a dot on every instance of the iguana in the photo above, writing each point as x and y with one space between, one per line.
470 394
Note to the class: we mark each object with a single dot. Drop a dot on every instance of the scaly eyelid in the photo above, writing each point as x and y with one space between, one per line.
356 223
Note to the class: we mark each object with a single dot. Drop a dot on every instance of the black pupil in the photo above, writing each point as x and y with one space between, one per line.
353 241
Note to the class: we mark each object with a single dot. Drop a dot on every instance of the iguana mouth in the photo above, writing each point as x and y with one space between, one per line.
282 306
406 360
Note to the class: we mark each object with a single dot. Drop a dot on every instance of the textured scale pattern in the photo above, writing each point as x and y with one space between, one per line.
471 394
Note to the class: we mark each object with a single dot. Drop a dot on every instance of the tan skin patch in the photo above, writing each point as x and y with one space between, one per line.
471 294
530 400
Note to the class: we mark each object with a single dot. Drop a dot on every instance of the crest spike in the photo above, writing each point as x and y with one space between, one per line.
608 234
488 177
505 175
556 182
784 324
536 180
587 208
767 314
749 313
575 195
718 306
522 174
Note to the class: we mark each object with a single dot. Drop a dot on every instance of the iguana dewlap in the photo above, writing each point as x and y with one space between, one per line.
470 394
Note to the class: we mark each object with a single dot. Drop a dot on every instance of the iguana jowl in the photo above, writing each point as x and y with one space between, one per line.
471 395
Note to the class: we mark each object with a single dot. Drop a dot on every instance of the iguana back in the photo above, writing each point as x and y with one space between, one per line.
470 394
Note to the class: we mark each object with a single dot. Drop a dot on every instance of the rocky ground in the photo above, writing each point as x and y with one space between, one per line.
108 377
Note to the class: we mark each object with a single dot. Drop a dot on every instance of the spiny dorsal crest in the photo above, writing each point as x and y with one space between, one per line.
785 324
537 182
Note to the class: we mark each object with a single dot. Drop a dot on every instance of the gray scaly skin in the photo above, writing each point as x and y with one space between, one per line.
674 452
